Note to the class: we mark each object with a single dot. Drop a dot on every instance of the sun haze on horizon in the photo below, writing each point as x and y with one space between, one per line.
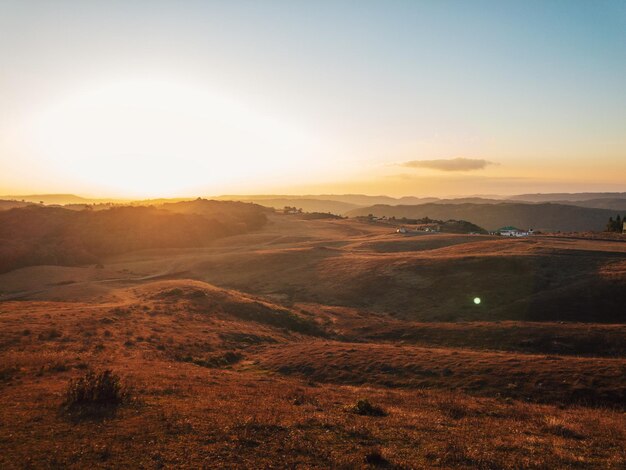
155 99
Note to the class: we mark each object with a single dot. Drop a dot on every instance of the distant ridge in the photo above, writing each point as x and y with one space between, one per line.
61 199
557 197
355 199
343 204
307 205
339 204
615 204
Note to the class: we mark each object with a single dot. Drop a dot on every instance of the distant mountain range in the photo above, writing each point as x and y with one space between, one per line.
355 200
61 199
556 211
307 205
342 204
349 201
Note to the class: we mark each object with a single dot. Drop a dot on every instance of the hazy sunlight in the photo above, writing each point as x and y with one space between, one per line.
149 137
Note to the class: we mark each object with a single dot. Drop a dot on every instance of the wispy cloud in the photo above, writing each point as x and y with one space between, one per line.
450 164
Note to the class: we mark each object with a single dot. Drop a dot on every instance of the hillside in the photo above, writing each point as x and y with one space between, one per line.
236 215
314 343
216 378
6 205
546 217
307 205
37 235
347 263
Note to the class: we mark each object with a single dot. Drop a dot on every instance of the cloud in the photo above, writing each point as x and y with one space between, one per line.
450 164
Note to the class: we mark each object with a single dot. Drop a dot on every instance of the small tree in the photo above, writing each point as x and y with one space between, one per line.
615 225
610 225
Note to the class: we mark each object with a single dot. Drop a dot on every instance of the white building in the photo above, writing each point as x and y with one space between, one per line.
514 232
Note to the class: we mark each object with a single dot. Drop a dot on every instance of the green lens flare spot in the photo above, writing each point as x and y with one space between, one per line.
477 300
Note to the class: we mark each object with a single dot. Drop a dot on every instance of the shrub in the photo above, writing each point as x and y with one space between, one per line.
96 388
365 408
376 459
58 367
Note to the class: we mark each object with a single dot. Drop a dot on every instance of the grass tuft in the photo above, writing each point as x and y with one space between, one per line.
102 388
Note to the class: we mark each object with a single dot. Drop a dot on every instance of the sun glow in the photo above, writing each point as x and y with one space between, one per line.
148 137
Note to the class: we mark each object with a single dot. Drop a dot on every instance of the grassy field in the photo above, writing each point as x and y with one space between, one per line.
265 350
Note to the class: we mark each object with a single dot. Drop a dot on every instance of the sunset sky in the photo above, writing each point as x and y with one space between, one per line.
155 98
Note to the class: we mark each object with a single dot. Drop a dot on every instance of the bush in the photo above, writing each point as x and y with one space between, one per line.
376 459
96 388
365 408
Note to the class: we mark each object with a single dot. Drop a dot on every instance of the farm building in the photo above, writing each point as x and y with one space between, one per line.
513 232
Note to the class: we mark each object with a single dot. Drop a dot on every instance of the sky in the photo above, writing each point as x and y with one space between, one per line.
199 98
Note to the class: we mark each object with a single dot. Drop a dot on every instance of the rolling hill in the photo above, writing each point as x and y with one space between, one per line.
325 343
36 235
545 216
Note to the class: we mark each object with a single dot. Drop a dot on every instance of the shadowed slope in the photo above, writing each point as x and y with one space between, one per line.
537 378
44 235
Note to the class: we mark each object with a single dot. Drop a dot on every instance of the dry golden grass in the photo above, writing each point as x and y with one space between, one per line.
223 378
552 379
353 264
244 415
192 416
